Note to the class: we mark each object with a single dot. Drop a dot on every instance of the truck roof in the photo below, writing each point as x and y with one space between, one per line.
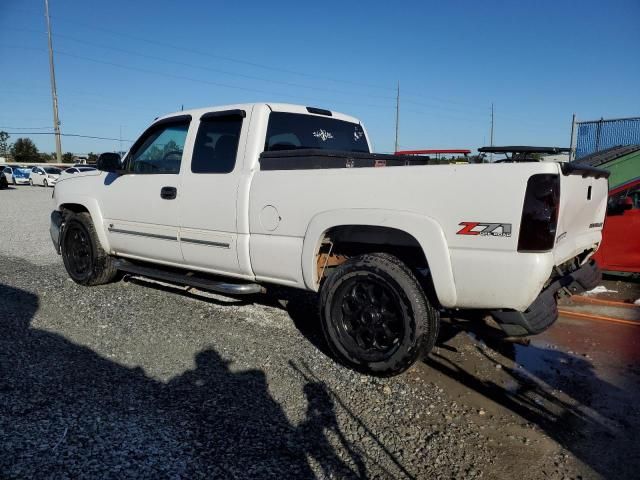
274 106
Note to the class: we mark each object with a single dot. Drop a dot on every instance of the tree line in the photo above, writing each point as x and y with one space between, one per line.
23 150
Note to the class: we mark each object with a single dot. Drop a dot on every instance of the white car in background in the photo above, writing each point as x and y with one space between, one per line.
45 176
78 169
16 175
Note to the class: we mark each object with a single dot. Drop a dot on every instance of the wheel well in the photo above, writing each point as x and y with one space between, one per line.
340 243
74 207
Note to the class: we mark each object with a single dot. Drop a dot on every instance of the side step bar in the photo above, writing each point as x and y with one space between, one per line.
188 279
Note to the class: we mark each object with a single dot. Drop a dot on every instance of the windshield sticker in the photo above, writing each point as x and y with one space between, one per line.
357 134
323 135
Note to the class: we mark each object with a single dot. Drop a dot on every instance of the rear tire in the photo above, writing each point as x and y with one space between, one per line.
375 315
31 182
84 258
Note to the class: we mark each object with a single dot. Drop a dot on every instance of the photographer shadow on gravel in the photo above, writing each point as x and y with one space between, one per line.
66 411
558 392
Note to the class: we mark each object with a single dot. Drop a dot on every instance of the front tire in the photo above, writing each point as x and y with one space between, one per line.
45 183
375 315
84 258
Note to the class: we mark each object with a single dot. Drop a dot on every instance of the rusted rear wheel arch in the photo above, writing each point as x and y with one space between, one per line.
340 243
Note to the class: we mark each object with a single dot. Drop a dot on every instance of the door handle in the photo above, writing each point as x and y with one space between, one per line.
168 193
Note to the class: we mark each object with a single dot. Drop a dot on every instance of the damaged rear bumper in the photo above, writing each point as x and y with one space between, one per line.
543 312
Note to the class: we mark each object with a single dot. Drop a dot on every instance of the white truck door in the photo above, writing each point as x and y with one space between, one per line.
140 207
208 202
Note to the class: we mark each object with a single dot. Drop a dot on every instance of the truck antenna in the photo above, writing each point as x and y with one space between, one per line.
491 154
397 115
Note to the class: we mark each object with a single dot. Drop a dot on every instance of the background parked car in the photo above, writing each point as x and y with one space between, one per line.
45 176
16 175
77 169
3 181
620 249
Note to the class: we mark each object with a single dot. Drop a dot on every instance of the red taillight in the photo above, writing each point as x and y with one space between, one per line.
540 213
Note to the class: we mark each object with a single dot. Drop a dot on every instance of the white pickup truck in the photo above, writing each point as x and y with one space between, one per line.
235 198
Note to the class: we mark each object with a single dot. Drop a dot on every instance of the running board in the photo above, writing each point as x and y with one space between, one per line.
188 279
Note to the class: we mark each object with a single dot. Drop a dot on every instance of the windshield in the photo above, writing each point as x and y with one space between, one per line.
292 131
20 172
52 170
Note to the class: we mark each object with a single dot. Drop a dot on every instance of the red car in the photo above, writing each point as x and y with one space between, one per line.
620 249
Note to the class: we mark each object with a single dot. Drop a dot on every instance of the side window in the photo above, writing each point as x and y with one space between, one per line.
216 145
160 150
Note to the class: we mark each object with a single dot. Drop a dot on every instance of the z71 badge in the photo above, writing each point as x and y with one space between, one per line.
486 229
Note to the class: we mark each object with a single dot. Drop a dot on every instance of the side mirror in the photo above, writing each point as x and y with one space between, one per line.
626 203
108 162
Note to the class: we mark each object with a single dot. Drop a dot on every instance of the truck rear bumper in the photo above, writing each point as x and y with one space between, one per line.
543 312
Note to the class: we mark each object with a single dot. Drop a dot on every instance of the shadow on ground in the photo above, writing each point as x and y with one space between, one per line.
68 412
558 392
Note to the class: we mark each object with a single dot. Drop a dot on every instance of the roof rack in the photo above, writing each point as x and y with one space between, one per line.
524 149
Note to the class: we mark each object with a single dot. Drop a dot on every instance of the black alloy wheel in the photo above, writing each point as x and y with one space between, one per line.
375 316
368 315
78 251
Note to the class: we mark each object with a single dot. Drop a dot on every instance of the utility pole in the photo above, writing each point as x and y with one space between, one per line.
397 115
54 93
491 154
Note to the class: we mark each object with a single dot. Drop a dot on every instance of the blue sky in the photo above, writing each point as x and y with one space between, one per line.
121 63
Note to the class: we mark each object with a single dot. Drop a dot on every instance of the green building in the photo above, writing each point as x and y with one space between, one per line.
622 162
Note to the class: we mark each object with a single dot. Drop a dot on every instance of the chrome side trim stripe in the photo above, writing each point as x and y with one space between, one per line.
205 242
143 234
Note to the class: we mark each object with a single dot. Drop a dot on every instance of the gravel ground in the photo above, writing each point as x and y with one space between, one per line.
140 380
24 224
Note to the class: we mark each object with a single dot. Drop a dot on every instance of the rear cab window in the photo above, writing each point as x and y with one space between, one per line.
297 131
216 145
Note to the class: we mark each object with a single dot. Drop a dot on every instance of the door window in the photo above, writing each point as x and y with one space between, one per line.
216 145
160 149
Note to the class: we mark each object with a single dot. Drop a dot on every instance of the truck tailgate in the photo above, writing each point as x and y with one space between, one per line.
583 205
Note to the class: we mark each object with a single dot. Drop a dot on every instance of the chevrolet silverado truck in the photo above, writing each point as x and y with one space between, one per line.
236 198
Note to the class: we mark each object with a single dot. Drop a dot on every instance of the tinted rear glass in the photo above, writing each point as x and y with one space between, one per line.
292 131
216 145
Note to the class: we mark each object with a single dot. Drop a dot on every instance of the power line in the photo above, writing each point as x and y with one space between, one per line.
421 112
231 59
27 128
407 99
71 135
217 70
198 80
210 55
251 77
